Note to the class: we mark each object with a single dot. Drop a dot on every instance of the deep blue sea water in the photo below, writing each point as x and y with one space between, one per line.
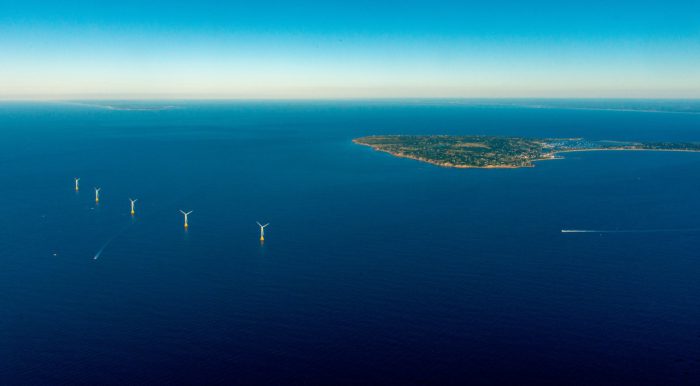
375 270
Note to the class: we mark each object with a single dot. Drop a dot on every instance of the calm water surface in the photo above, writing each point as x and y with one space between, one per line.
375 269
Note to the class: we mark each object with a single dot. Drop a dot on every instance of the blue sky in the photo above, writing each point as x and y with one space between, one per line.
354 49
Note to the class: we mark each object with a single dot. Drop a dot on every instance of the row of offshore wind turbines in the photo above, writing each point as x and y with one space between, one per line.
185 214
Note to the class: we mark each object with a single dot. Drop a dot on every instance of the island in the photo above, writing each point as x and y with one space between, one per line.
480 151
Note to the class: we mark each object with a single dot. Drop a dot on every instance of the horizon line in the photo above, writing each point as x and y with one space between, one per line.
340 98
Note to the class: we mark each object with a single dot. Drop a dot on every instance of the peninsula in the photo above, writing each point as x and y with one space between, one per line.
477 151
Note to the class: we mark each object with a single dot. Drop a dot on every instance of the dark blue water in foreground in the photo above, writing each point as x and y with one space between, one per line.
375 269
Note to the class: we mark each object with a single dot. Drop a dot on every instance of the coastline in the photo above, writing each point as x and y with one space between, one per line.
440 164
552 156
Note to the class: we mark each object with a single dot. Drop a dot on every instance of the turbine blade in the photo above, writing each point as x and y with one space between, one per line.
258 223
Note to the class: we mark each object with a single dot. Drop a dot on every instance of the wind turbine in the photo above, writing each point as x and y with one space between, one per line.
186 214
262 231
77 187
132 206
97 195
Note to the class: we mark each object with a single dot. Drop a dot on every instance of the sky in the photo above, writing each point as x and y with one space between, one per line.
351 49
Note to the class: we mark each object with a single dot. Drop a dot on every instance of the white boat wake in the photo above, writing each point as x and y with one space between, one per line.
97 255
106 244
629 230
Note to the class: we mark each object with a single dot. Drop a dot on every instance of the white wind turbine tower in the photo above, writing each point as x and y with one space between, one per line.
77 187
132 206
97 195
262 231
186 214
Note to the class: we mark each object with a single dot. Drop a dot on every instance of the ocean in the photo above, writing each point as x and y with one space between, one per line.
374 269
